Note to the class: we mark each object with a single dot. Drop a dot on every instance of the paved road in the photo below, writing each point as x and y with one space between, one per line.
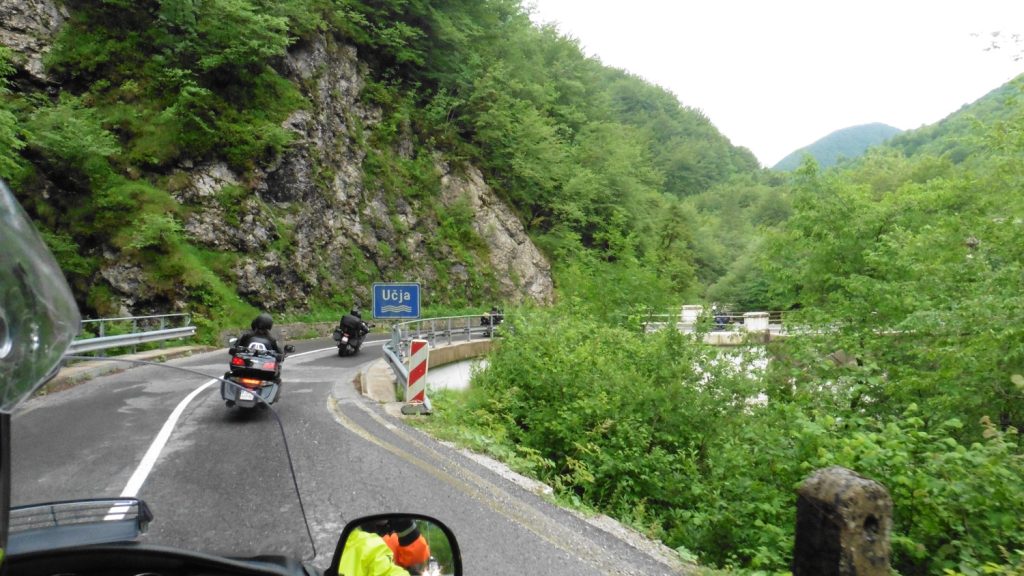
222 483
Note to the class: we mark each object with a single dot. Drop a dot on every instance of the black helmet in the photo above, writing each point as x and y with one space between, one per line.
263 322
379 526
355 312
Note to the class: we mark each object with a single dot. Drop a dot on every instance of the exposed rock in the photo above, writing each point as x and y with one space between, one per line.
340 235
28 27
523 271
239 223
129 279
270 284
206 181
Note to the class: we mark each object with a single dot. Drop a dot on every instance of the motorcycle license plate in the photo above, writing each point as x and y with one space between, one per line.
344 339
246 395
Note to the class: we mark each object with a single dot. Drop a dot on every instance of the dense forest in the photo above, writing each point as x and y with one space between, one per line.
900 274
902 268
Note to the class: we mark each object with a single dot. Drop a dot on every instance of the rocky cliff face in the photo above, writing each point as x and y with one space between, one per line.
307 227
27 28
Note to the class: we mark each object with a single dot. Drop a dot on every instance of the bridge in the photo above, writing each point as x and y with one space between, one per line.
726 329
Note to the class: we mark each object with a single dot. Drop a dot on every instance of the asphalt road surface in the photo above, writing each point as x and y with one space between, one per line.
217 479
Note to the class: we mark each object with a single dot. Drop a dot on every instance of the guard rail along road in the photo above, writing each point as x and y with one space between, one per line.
131 331
437 331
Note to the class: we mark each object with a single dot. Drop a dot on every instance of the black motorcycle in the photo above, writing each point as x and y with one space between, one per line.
490 321
254 371
349 340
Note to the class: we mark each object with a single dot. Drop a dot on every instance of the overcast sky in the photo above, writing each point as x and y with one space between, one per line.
777 75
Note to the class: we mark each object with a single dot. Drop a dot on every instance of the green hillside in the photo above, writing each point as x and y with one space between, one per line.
957 135
847 143
596 163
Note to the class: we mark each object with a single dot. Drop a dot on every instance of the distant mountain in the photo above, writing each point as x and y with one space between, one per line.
846 143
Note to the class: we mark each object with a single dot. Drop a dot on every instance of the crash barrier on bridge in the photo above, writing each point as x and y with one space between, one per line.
132 331
450 339
725 329
843 525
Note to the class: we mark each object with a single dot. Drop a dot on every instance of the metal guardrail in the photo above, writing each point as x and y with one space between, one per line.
135 336
445 330
718 322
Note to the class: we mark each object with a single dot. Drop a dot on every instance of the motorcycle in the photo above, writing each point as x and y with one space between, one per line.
254 372
490 321
349 340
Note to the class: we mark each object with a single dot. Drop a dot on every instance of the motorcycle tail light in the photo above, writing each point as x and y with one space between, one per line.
236 361
250 382
270 366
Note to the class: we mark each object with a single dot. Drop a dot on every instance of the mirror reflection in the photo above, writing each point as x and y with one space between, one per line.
397 545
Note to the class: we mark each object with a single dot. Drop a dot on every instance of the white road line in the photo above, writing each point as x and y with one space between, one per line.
138 478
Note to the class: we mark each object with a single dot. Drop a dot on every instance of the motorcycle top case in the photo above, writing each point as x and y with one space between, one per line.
264 366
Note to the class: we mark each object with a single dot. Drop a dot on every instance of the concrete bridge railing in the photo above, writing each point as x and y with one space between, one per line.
726 330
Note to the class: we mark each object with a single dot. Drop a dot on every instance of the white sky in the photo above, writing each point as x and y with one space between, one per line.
776 75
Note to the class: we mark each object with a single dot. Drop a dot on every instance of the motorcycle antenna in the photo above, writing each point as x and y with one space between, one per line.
280 425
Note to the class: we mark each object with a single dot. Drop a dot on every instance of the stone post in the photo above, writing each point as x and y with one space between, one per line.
843 523
755 324
755 321
688 316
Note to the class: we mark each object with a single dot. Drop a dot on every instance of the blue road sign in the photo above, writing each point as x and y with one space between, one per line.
400 300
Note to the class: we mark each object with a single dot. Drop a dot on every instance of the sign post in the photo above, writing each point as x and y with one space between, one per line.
396 300
416 401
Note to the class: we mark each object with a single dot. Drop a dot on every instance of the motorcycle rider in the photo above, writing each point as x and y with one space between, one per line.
491 319
260 332
367 554
353 323
408 544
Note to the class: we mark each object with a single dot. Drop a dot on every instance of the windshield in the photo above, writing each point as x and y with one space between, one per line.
38 315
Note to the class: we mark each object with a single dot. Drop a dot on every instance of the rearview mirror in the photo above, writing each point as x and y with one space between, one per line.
415 543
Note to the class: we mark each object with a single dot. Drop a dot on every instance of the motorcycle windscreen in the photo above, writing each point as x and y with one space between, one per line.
38 315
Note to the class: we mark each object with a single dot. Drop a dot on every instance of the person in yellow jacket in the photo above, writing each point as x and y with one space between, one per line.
366 554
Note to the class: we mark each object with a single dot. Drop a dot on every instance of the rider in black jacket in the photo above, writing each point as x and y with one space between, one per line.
353 322
260 332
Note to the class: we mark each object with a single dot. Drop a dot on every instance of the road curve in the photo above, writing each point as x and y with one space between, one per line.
221 481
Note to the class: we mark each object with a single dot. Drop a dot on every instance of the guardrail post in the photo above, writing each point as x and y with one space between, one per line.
843 523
